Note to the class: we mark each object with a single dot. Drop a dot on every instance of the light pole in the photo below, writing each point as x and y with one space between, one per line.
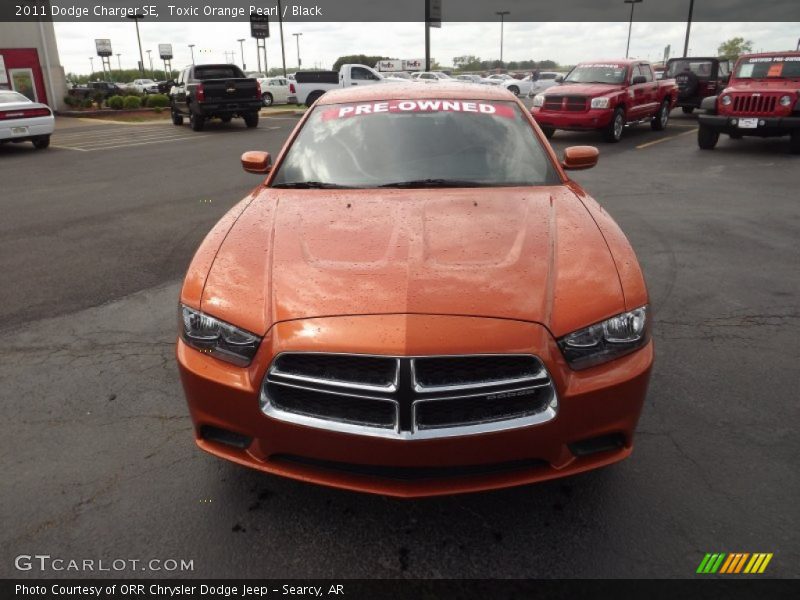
283 48
630 24
501 14
191 49
688 28
136 17
119 62
150 60
91 62
241 46
297 38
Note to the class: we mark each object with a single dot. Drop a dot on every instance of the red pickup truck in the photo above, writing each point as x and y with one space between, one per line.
606 95
762 99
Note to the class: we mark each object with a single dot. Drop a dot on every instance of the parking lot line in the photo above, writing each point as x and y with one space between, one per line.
664 139
174 139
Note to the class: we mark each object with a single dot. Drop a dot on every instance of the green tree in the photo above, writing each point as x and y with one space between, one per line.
734 47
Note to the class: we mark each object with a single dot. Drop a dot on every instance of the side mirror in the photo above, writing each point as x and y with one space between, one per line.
559 79
638 79
577 158
256 162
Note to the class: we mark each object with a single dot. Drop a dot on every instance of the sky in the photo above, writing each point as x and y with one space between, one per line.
322 43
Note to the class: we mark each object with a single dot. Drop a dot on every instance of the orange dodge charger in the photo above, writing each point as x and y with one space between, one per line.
416 301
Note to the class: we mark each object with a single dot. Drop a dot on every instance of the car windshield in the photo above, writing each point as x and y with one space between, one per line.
9 97
416 143
701 68
765 67
597 73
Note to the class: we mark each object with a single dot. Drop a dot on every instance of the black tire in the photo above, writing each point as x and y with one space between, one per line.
251 120
687 110
42 142
514 90
266 99
707 138
177 118
613 131
197 122
225 119
312 97
548 132
661 119
794 142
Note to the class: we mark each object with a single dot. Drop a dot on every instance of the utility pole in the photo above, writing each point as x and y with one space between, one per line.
502 14
283 50
630 24
191 48
91 62
241 47
150 58
688 28
297 38
136 17
119 62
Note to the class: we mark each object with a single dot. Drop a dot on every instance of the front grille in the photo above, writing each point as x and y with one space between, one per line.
409 397
565 103
749 104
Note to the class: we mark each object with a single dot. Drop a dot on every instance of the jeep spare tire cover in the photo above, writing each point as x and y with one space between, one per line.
687 84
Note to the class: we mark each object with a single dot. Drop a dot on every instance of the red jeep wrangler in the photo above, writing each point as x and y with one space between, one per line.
606 96
762 99
697 78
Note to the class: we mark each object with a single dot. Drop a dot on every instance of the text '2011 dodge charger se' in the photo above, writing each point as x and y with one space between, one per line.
417 301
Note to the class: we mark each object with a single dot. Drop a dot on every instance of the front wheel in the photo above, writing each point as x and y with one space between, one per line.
613 131
707 138
548 132
661 118
251 120
197 122
514 90
687 110
42 142
266 99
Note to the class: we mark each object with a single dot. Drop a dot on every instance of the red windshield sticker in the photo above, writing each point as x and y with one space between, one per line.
775 70
407 106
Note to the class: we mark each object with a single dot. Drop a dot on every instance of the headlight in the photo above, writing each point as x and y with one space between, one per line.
600 102
726 100
219 339
605 341
538 100
786 100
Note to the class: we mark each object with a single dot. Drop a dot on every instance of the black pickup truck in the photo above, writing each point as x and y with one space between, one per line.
93 87
223 91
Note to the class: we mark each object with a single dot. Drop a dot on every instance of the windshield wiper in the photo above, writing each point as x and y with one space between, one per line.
433 183
308 185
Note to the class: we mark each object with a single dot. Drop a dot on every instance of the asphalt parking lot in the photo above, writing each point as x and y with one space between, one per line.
98 458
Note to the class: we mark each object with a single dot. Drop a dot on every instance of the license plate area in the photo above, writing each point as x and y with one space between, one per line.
748 123
19 131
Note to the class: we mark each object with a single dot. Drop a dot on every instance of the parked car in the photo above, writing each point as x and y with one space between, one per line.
335 328
762 99
606 96
467 78
310 85
104 88
22 120
165 86
546 80
145 86
221 91
274 90
697 78
530 84
497 78
432 76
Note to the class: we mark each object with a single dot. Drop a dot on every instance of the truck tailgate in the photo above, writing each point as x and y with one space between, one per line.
227 90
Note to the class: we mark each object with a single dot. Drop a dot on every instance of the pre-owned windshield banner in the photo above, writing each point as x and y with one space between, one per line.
345 111
453 11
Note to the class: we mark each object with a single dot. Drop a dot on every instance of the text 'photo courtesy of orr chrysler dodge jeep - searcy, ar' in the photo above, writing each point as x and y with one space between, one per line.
416 301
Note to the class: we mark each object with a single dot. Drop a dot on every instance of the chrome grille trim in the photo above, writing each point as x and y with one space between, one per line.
409 396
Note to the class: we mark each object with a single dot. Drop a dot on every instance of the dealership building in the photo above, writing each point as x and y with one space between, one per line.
29 62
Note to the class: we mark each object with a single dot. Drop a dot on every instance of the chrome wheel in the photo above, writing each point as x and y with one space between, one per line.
619 124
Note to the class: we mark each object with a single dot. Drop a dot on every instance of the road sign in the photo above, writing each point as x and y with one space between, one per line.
103 47
434 13
259 26
165 51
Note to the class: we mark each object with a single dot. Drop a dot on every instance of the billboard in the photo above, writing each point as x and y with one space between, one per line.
103 47
434 13
259 26
165 51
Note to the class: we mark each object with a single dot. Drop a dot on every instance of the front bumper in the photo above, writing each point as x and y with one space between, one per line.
595 118
602 403
772 126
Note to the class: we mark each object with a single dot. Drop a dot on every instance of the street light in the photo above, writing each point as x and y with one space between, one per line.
150 60
630 24
191 48
136 17
502 14
241 46
119 62
297 38
91 62
688 28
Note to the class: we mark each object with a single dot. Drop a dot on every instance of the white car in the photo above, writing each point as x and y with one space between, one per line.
547 79
274 90
432 76
24 121
145 86
497 78
469 78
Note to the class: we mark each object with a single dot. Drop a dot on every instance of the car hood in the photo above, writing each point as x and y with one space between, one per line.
530 254
763 85
588 89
